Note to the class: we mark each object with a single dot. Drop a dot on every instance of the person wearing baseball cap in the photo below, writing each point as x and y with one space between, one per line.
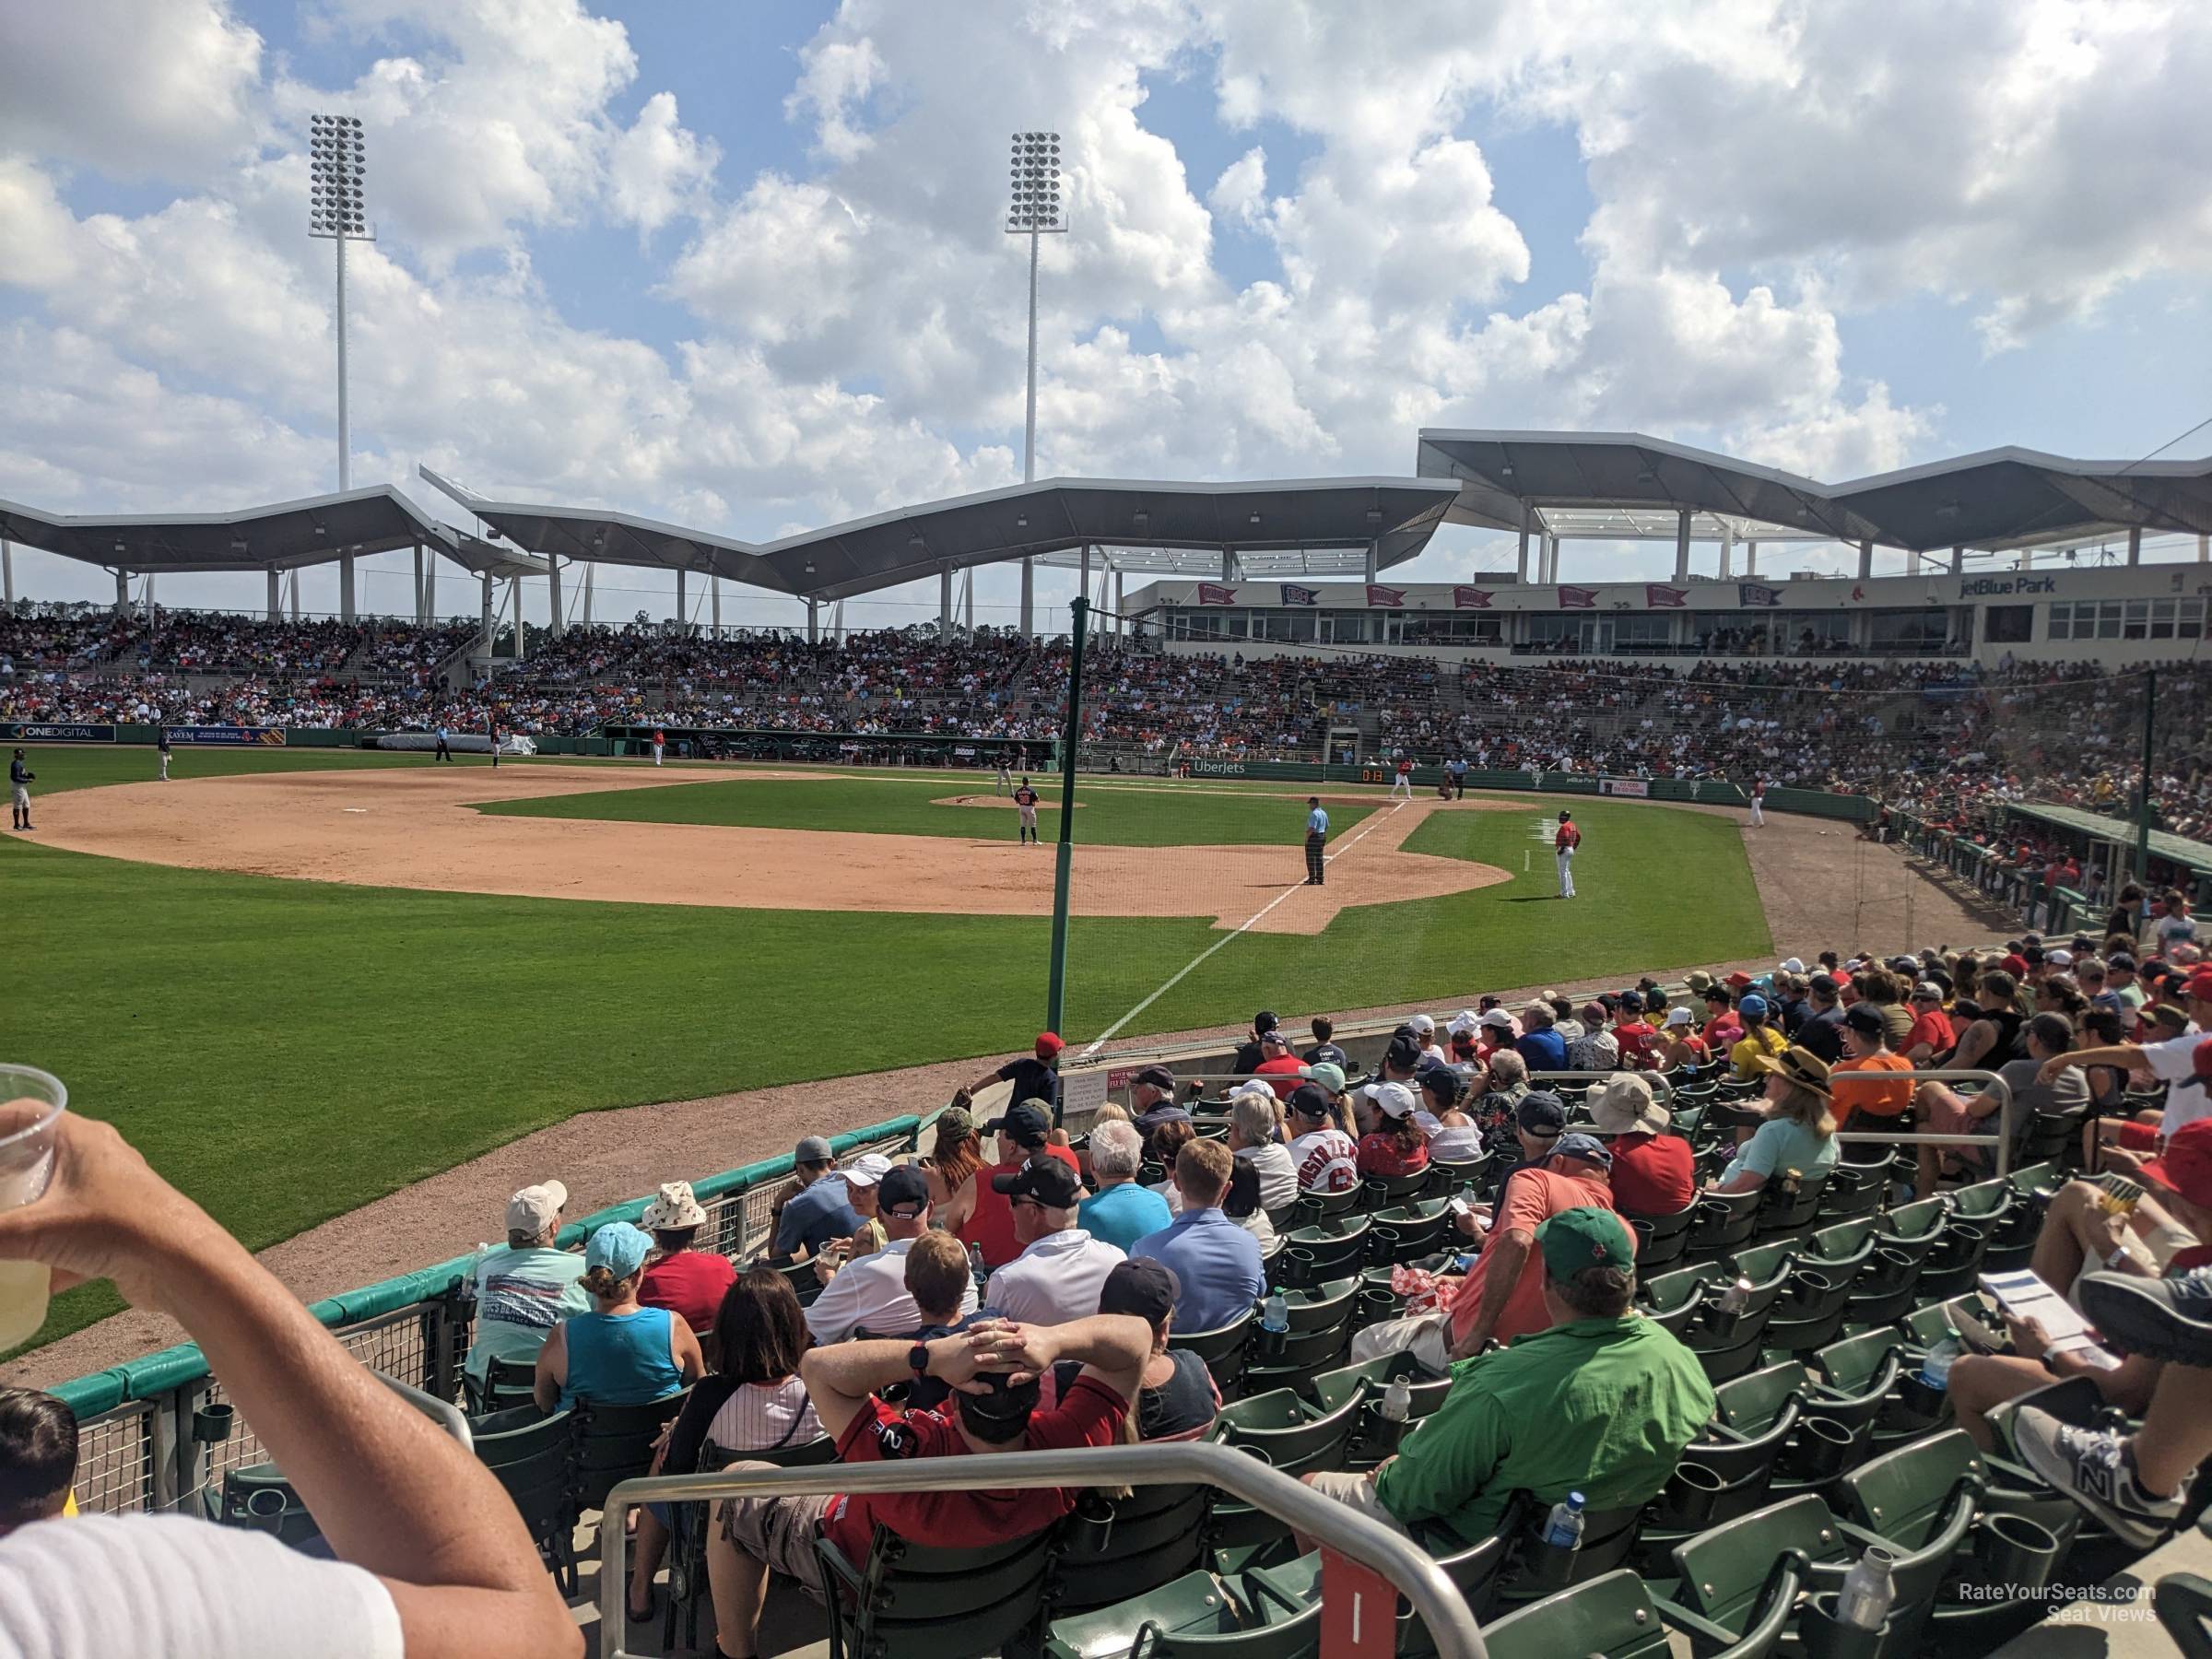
1393 1144
1177 1399
2172 1061
1249 1054
1598 1401
1279 1067
618 1352
1501 1295
525 1289
1153 1085
1680 1047
1633 1035
1759 1037
689 1283
1858 1096
1723 1027
821 1209
992 1369
978 1212
1056 1277
1035 1076
1653 1173
1495 1030
870 1292
1326 1158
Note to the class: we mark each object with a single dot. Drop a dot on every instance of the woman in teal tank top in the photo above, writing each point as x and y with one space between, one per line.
620 1353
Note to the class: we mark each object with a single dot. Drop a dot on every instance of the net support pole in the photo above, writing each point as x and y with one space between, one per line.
2150 709
1055 995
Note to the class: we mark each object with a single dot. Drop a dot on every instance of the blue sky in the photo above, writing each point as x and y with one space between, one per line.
738 266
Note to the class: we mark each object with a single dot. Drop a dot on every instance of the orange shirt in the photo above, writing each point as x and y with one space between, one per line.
1876 1099
1532 1196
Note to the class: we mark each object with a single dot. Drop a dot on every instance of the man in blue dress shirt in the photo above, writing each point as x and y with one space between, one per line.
1317 837
1216 1263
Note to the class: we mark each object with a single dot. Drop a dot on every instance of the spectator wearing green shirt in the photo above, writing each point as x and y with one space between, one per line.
1600 1404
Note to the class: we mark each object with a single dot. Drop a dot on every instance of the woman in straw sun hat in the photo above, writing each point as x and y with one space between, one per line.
1799 1131
687 1282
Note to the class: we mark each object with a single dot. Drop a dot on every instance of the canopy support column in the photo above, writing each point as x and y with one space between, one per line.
814 622
346 588
122 596
1727 552
487 614
590 570
7 573
1682 545
683 616
553 589
514 596
1121 613
422 604
275 596
944 604
1865 558
1958 560
2203 549
1750 558
1374 561
430 585
2135 543
1029 598
714 592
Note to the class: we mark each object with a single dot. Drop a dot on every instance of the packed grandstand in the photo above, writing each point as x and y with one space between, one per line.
1936 736
1643 1256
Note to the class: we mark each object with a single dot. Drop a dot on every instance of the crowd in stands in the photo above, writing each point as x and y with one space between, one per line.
1018 1286
1944 738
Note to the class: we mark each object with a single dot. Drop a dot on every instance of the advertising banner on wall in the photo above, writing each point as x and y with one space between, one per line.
1626 786
263 737
30 731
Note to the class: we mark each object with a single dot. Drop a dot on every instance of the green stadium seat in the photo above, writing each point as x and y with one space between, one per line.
1449 1179
1660 1240
1316 1207
507 1383
1293 1436
614 1443
2184 1603
1722 1221
532 1457
1373 1439
1379 1191
688 1524
1411 1231
936 1603
1198 1617
1325 1249
1616 1615
1223 1350
1113 1548
1850 1191
1782 1213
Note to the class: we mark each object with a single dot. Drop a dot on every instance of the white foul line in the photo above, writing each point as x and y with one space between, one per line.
1114 1029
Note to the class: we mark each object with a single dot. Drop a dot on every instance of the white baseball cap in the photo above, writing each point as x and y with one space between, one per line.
535 1209
1499 1019
1462 1022
1422 1023
1790 965
866 1170
1678 1017
2059 959
1391 1100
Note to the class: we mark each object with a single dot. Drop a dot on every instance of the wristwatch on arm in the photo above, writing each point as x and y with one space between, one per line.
917 1359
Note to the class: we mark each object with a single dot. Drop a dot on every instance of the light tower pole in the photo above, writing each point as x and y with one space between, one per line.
336 163
1033 210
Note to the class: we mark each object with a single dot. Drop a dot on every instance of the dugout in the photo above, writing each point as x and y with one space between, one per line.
2109 843
846 748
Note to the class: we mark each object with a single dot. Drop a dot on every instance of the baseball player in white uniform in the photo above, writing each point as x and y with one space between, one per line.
1006 779
1564 844
1403 783
1758 800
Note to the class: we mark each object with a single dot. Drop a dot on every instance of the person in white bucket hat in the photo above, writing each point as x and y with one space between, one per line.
688 1282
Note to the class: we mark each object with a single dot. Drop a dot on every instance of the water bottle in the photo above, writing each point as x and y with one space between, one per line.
1868 1589
1935 1369
1563 1529
975 1262
1736 1297
1397 1401
1275 1318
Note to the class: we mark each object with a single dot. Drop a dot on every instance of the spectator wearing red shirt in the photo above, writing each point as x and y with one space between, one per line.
1932 1032
1724 1029
1393 1144
688 1283
1280 1068
979 1213
993 1368
1638 1041
1653 1173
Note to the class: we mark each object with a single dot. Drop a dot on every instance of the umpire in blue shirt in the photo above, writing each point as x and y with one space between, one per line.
1317 837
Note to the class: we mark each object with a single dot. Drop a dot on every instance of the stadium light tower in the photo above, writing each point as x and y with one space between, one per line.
336 163
1033 210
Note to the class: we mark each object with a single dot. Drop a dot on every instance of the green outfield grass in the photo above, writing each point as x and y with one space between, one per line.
1107 815
288 1051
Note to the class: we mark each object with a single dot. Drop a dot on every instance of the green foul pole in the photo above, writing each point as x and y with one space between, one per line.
2150 709
1055 996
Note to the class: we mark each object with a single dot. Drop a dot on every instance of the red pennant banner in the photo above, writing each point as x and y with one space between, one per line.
1212 592
1389 598
1470 598
1658 598
1578 599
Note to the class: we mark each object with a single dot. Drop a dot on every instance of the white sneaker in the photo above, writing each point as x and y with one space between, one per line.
2092 1468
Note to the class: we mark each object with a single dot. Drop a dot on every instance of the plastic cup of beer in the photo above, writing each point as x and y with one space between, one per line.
32 1102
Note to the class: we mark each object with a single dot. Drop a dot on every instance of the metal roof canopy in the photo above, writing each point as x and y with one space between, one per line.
1205 563
1995 501
1397 516
284 537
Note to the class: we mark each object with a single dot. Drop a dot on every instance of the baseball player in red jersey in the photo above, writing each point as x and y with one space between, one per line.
1403 783
1564 844
1758 800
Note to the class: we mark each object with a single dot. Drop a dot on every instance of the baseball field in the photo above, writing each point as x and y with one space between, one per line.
302 979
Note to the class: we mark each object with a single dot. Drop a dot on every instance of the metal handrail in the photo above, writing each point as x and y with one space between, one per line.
1339 1526
1991 1084
444 1413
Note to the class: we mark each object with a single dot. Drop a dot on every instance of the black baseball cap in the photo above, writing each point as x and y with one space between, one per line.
903 1185
1867 1017
1265 1021
1404 1053
1025 1124
1141 1287
1158 1076
1309 1100
1541 1112
1002 1405
1438 1080
1050 1184
1824 986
